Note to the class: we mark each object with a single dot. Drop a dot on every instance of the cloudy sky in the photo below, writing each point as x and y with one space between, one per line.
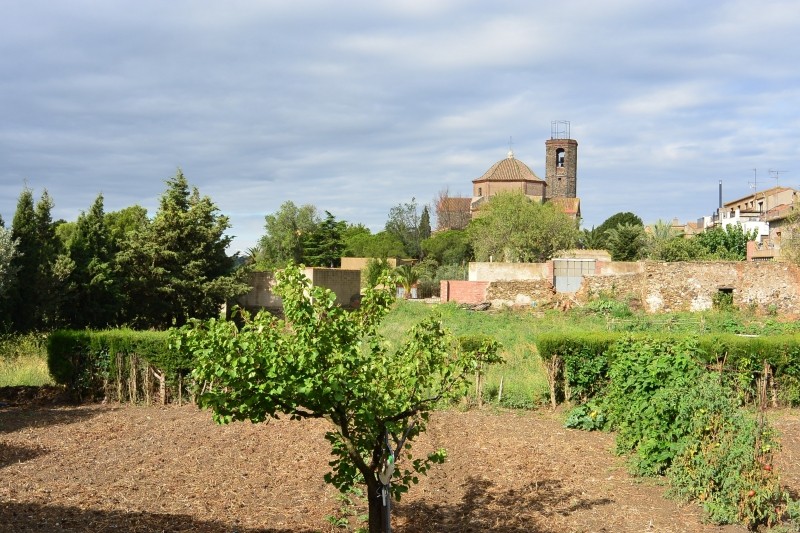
357 106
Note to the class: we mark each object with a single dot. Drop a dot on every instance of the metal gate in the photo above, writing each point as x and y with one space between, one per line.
568 273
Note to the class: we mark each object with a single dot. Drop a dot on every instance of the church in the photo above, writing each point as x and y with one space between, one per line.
560 183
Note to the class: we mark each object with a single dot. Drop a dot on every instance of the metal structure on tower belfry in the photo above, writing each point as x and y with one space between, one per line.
559 129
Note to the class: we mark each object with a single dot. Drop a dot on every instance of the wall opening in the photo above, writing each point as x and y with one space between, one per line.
560 158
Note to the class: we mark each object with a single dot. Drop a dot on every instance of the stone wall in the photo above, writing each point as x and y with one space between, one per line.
537 293
660 287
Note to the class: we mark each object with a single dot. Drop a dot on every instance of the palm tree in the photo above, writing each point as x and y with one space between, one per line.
408 277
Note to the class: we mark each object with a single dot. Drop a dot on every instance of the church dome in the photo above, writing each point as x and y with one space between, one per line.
509 169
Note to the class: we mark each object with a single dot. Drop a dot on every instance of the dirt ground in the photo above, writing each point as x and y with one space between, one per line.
103 468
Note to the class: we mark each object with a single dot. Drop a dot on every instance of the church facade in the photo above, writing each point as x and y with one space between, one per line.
560 185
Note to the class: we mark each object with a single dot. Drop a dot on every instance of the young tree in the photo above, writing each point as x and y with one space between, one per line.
408 277
285 231
729 244
512 228
324 362
404 224
176 267
424 224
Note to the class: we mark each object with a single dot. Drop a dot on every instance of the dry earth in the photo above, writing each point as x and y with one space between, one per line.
103 468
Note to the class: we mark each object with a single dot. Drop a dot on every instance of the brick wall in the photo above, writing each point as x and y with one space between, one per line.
464 292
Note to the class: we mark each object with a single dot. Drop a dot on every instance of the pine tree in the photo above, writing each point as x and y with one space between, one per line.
324 246
176 267
32 302
91 299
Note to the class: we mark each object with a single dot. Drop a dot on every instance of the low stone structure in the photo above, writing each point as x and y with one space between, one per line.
660 287
346 284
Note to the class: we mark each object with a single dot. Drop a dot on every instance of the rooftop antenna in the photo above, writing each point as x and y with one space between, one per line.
777 176
754 184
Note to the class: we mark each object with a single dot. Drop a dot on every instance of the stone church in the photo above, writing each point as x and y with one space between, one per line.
560 183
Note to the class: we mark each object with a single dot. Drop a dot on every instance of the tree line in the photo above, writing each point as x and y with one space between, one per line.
124 268
119 268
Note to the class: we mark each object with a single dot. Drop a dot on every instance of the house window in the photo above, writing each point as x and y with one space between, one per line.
560 158
480 191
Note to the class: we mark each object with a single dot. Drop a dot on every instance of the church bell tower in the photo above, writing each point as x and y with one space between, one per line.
561 162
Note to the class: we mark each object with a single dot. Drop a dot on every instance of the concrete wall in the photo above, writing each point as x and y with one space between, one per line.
360 263
510 271
260 295
346 284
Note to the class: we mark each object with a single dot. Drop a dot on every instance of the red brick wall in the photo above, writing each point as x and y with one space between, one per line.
464 292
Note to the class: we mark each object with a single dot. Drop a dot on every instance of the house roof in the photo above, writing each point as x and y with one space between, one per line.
571 206
779 212
760 194
509 169
454 203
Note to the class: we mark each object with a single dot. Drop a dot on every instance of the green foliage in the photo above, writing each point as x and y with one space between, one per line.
376 268
722 300
405 224
729 243
725 458
591 239
512 228
23 360
323 246
34 297
450 247
323 361
91 299
676 418
8 271
407 276
679 249
613 221
114 364
588 417
647 380
285 230
608 305
177 267
626 242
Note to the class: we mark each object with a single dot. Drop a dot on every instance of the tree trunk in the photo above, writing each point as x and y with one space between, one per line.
375 501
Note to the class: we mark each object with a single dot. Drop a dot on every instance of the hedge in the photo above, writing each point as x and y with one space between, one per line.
577 363
117 364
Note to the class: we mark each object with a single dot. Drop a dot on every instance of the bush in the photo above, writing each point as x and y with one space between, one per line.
116 363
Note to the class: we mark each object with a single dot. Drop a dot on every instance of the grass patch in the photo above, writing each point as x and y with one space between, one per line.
23 360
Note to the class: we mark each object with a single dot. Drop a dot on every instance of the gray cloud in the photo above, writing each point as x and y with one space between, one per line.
355 107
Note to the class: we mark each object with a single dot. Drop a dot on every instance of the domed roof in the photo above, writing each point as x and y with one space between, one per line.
508 169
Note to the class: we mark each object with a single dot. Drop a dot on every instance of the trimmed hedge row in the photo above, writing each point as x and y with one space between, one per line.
117 364
577 363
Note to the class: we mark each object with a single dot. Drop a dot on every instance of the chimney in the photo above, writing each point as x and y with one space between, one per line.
720 194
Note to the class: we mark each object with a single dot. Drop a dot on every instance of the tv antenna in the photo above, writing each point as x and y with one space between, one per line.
776 174
754 184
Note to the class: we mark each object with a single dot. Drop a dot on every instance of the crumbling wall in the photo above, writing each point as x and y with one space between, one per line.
535 293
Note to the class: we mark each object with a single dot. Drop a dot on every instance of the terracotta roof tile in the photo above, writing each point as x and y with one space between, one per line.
508 169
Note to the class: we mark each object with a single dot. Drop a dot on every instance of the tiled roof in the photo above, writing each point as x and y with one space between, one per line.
508 169
454 203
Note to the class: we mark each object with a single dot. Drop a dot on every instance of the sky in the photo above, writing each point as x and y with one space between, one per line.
358 106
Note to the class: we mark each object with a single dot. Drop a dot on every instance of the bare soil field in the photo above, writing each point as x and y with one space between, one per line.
103 468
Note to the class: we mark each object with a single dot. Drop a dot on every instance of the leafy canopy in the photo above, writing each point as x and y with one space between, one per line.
324 361
512 228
